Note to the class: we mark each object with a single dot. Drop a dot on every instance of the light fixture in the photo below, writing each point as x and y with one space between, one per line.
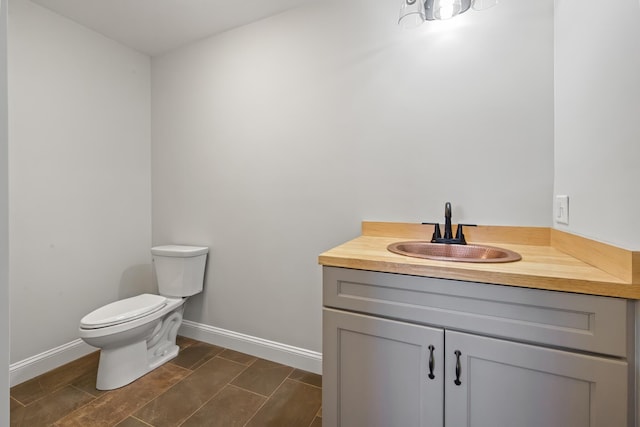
412 13
415 12
445 9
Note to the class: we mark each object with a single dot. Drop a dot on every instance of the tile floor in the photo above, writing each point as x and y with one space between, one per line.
205 385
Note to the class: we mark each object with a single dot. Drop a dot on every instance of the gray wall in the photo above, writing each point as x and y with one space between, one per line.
597 118
272 142
80 186
4 225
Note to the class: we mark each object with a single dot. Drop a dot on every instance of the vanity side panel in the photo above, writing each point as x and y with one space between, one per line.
634 361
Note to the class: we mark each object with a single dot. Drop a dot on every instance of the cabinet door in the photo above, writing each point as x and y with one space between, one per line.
507 384
376 372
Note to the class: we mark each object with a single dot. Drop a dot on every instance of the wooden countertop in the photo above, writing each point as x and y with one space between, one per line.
551 259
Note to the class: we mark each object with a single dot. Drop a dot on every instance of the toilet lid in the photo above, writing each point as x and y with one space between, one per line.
123 311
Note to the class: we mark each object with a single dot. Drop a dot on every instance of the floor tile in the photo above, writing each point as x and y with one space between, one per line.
50 408
194 391
306 377
34 389
263 377
232 407
184 342
14 404
195 355
294 404
116 405
16 414
238 357
87 383
186 397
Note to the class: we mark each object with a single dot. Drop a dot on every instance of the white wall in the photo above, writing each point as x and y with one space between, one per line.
4 225
79 175
273 141
597 118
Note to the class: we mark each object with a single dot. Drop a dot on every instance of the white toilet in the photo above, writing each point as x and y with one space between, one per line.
138 334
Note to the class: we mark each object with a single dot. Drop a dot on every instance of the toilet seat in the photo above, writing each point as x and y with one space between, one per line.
123 311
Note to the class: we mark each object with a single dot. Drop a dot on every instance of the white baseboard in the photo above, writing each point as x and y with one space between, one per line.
277 352
296 357
33 366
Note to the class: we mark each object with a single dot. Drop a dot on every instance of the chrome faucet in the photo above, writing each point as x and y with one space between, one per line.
448 232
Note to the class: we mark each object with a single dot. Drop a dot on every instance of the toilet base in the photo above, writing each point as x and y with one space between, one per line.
122 365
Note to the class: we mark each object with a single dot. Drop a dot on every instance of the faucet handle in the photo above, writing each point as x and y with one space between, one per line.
460 234
436 230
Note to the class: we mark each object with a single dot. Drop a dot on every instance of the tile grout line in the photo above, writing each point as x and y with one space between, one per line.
302 382
256 412
231 360
86 392
17 401
267 399
94 398
137 419
190 343
42 397
191 372
313 420
248 391
172 386
315 415
219 391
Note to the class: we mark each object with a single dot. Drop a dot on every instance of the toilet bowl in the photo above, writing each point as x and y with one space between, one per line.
136 335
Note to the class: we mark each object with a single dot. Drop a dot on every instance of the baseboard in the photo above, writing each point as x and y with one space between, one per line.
33 366
277 352
296 357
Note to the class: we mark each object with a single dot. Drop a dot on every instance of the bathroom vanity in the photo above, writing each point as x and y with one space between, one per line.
411 342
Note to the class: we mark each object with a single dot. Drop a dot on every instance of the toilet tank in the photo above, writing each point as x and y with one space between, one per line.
179 269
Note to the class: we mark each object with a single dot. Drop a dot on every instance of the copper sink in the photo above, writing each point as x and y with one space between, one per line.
459 253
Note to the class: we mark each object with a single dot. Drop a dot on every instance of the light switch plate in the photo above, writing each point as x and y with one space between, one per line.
562 210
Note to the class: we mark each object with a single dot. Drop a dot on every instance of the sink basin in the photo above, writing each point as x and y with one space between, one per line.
460 253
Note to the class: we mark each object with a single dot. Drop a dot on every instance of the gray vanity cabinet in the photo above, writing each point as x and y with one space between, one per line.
507 384
408 351
382 371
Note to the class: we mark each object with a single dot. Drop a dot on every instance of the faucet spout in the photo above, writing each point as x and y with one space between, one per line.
448 233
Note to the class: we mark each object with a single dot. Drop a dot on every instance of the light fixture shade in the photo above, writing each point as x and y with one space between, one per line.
445 9
412 13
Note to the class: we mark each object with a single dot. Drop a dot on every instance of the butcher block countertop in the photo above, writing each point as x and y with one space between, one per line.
551 259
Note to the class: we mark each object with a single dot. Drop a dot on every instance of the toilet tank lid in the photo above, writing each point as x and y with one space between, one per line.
179 251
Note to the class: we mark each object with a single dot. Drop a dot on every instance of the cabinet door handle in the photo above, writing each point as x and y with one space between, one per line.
432 362
458 368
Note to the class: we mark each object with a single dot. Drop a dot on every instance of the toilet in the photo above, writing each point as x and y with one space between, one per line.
136 335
